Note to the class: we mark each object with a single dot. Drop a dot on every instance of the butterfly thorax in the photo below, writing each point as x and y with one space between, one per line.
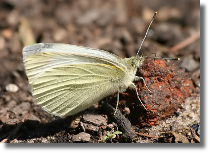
131 64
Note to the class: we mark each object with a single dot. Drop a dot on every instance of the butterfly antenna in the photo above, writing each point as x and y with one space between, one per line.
146 32
165 58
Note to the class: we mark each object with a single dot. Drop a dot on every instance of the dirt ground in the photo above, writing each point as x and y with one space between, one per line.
118 26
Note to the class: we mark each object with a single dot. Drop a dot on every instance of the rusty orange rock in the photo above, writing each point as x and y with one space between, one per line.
170 86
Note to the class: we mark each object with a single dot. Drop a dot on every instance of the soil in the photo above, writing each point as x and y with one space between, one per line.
172 111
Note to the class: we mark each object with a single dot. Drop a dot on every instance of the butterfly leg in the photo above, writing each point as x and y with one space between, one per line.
137 78
118 98
134 86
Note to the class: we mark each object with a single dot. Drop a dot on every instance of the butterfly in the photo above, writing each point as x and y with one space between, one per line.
66 79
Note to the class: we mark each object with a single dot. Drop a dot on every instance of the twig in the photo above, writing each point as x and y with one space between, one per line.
146 135
122 122
185 43
15 139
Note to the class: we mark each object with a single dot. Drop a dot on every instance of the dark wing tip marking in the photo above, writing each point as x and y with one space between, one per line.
37 47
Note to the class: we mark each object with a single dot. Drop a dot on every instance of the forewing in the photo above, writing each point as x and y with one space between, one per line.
41 57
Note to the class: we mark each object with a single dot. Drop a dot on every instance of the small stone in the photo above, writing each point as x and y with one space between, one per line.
12 104
81 137
74 124
12 88
95 119
22 108
189 64
90 128
127 110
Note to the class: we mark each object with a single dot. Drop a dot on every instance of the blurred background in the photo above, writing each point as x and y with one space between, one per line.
117 26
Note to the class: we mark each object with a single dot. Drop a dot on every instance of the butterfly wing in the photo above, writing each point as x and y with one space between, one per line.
66 79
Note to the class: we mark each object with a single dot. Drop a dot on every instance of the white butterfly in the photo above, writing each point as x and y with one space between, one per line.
66 79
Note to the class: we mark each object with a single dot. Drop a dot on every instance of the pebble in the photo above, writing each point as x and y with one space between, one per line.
81 137
189 64
90 128
95 119
12 88
22 108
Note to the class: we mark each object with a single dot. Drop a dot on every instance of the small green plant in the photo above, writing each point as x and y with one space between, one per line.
110 136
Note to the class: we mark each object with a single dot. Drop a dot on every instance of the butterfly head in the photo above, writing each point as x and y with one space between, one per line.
136 61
